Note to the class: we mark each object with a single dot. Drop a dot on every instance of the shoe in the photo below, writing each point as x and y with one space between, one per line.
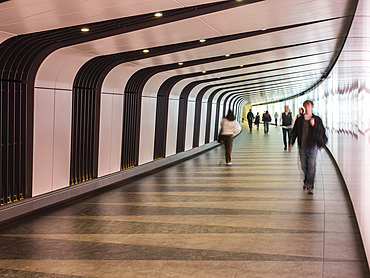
310 191
304 186
228 164
284 148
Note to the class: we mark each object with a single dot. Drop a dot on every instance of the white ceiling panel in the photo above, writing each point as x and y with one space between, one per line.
24 16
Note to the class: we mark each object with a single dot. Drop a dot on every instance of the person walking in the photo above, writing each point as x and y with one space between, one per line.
286 122
266 118
276 116
250 117
229 127
310 132
300 113
257 121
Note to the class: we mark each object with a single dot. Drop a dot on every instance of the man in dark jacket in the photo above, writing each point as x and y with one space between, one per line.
311 135
250 117
266 118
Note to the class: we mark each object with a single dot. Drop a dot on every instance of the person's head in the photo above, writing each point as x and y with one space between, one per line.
286 108
308 104
301 110
267 111
230 115
258 113
250 110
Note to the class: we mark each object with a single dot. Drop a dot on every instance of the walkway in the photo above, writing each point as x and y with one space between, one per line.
199 219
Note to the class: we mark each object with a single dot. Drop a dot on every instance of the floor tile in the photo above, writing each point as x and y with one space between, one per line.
199 218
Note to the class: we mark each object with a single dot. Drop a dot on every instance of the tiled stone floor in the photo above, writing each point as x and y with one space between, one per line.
199 219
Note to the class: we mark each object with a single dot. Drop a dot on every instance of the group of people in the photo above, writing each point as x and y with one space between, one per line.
266 119
306 127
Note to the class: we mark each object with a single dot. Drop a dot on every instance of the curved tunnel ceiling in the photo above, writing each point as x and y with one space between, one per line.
261 50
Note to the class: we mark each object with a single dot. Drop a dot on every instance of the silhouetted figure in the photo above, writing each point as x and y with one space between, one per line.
266 119
250 117
276 116
257 121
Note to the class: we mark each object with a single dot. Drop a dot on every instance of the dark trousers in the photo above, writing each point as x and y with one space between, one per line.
228 143
250 123
287 131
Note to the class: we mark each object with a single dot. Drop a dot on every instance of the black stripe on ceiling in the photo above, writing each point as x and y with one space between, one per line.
257 90
93 72
263 92
227 84
267 83
346 27
112 27
21 56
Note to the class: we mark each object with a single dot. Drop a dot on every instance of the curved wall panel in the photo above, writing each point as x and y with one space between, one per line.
172 122
117 78
59 69
52 117
110 135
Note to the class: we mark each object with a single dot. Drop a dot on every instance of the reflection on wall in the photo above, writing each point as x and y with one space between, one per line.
343 102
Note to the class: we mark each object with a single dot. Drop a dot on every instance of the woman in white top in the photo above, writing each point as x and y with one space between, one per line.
229 127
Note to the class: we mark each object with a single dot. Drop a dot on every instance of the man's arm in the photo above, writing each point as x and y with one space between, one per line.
279 120
294 134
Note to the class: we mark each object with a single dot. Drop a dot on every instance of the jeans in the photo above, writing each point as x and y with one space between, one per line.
308 164
287 131
266 126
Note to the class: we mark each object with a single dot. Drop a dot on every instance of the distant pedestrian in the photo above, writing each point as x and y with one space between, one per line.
257 121
266 118
250 117
276 116
286 123
310 132
300 113
229 127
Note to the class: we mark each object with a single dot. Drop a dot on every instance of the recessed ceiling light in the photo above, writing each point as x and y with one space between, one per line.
202 40
158 14
85 29
204 71
241 66
146 51
264 29
218 77
227 55
181 63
